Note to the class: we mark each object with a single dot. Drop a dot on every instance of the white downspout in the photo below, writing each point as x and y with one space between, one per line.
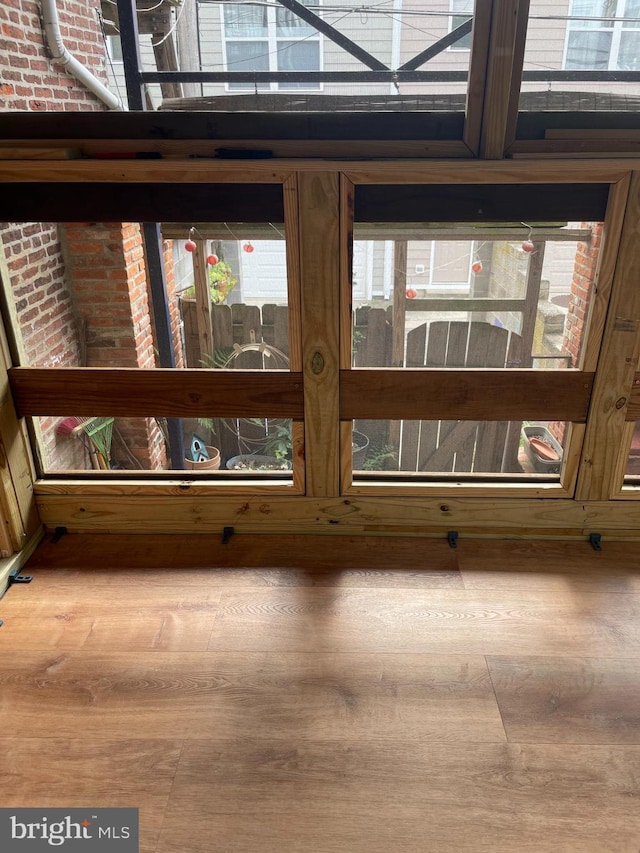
60 54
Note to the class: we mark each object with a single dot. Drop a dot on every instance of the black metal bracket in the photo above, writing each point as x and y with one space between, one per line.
452 537
16 577
227 533
595 540
58 533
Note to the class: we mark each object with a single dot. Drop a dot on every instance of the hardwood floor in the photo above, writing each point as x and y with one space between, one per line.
424 699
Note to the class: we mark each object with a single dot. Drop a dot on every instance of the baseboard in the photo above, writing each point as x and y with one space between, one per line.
18 560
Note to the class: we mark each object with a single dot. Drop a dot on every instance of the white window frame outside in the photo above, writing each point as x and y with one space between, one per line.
271 42
616 29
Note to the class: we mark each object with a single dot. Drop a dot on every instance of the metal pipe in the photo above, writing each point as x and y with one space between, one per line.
60 54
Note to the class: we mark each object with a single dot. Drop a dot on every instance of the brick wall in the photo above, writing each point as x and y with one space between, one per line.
582 285
108 278
29 80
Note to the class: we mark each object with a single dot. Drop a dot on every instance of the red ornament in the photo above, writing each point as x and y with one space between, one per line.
248 248
476 266
527 247
190 246
212 260
411 293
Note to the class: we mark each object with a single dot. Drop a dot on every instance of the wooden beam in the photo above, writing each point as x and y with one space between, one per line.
480 304
458 394
203 302
530 313
399 302
129 392
465 233
437 47
422 515
504 70
617 364
319 199
477 75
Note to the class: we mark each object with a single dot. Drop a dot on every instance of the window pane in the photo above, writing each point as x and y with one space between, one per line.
245 21
581 9
298 56
588 50
289 24
629 53
453 449
248 56
228 448
460 302
465 42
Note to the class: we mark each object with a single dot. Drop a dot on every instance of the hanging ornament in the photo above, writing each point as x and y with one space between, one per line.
248 248
527 245
190 246
476 266
212 260
411 293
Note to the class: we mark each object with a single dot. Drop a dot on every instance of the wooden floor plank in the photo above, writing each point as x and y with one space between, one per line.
546 565
315 560
433 621
402 796
568 700
67 773
62 617
279 695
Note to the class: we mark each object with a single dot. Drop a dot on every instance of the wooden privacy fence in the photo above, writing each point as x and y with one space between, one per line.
425 446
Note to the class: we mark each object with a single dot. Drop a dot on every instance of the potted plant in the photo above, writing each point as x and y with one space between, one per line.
275 452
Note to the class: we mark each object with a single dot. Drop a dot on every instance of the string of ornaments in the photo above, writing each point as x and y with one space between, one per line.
476 267
212 259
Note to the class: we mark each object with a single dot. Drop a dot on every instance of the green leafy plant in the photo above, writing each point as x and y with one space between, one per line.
278 439
378 457
221 283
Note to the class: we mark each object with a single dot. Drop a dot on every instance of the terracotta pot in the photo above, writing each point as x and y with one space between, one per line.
210 464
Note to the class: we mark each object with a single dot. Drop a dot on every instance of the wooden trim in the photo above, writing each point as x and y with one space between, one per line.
280 149
429 231
17 503
572 148
520 45
217 483
593 133
203 301
129 392
507 516
599 303
633 407
319 199
446 489
455 394
480 36
346 272
445 171
504 71
17 561
490 172
616 365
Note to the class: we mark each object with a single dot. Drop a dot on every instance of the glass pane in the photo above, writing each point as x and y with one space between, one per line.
592 38
248 56
588 50
485 302
289 24
245 21
229 448
522 450
298 56
82 295
465 42
629 53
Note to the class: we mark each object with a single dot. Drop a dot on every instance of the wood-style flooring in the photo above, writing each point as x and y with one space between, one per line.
330 694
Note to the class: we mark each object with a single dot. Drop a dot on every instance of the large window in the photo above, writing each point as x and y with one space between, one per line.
263 38
603 35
